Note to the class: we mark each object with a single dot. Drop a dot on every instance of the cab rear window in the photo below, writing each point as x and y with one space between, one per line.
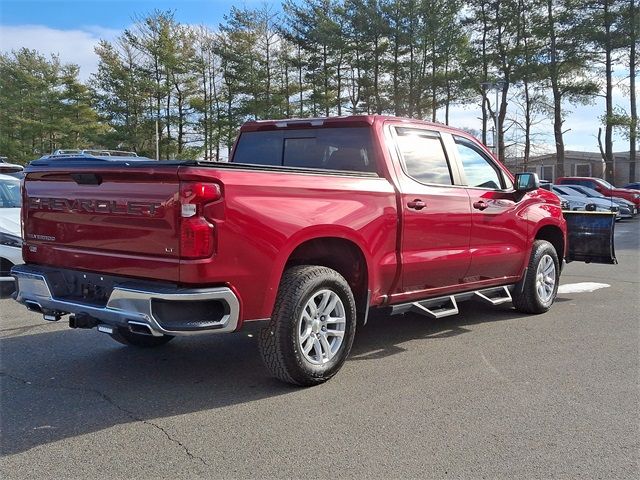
344 149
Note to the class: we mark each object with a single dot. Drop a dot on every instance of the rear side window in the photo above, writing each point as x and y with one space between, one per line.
257 148
423 156
346 149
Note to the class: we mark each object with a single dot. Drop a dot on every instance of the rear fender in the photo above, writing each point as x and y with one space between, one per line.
313 233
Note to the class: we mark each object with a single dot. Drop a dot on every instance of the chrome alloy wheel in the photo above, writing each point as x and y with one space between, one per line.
546 279
321 327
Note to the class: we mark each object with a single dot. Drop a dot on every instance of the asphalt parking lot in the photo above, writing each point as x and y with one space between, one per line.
487 394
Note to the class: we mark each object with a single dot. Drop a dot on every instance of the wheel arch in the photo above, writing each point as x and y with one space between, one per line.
555 236
341 252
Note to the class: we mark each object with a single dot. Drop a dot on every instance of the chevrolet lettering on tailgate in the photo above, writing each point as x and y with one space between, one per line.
93 206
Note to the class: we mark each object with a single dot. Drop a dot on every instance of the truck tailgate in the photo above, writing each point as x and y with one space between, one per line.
122 221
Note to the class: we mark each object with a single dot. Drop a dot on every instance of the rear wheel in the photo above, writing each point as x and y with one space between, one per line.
536 292
127 337
312 327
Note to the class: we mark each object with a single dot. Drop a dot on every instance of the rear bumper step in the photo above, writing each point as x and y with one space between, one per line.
142 308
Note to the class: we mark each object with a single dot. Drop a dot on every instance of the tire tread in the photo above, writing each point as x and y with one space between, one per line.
273 337
524 299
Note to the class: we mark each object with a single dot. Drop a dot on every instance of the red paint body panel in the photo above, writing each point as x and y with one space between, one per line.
98 235
264 214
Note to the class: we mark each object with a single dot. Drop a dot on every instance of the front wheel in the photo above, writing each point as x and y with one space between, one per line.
536 292
312 327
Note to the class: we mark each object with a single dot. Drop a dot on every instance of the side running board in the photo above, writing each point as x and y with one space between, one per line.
438 308
446 306
494 297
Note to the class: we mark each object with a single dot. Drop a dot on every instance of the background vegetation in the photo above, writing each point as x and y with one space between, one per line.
414 58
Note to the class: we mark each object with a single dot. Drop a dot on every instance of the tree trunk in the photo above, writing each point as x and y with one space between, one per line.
633 171
527 126
434 93
396 55
608 133
300 80
557 95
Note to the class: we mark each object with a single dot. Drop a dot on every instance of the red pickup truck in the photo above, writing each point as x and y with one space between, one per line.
309 225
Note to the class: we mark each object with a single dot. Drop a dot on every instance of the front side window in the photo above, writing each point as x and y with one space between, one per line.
478 169
423 156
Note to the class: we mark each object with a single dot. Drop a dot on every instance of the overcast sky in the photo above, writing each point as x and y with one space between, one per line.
72 28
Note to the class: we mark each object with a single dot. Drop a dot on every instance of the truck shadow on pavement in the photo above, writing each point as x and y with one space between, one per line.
64 383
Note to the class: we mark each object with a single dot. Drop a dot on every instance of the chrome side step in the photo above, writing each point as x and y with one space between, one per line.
436 308
441 307
494 297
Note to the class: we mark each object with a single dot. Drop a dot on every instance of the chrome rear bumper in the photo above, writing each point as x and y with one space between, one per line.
131 306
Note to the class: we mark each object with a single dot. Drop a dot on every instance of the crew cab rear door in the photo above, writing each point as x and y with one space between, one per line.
436 216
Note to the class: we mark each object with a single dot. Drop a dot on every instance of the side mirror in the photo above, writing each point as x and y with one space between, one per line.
526 182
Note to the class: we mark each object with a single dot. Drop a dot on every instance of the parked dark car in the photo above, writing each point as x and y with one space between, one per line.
627 208
633 186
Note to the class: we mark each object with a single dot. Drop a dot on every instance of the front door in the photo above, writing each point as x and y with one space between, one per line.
498 234
436 216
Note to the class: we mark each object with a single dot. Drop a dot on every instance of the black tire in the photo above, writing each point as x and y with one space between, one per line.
279 343
127 337
526 297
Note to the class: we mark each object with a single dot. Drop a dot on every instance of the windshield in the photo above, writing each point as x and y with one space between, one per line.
591 192
575 191
10 193
604 183
562 192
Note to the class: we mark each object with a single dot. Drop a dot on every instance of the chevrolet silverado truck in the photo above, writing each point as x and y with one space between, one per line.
309 225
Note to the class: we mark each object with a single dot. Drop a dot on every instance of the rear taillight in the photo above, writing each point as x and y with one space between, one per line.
196 238
197 235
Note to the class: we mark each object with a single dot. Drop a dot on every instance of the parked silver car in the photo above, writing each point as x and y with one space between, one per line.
10 241
627 208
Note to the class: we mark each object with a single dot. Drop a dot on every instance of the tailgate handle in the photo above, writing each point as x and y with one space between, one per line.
86 178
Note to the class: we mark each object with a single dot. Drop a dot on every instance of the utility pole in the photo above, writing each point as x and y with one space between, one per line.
498 86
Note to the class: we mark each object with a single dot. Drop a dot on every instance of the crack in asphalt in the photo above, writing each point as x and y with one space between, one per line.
113 403
17 331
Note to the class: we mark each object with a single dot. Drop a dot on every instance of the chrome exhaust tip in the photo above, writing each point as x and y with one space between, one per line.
140 328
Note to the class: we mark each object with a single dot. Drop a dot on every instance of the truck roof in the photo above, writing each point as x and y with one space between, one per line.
349 121
344 121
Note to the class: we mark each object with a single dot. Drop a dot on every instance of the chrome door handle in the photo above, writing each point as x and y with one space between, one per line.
480 205
416 204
